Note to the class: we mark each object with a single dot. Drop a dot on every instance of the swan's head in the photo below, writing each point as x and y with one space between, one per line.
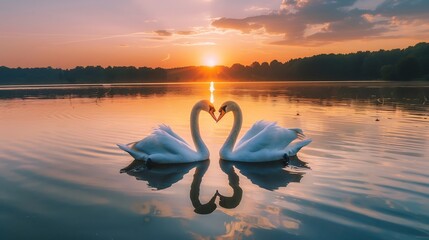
227 106
207 106
233 201
208 207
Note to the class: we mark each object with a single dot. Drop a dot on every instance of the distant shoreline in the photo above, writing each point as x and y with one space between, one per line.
113 85
407 64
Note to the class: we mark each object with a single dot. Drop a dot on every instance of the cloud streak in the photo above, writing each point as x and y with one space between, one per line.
189 44
166 58
299 21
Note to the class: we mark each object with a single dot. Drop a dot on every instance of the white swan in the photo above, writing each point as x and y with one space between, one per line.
265 141
164 146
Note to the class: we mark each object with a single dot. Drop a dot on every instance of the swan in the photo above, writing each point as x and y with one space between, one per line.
164 146
265 141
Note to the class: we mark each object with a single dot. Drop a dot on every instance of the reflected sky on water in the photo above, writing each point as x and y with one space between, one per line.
364 176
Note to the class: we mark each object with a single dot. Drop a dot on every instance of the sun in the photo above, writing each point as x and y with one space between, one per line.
210 61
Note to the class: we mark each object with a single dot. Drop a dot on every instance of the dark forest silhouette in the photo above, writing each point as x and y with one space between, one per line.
411 63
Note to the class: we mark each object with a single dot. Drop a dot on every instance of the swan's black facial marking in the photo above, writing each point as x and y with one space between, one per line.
222 112
223 108
212 111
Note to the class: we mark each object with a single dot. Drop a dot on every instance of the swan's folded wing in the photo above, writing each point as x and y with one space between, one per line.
254 130
159 141
170 143
169 131
271 137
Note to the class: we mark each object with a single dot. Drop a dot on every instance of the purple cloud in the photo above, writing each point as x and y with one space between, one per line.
163 33
297 19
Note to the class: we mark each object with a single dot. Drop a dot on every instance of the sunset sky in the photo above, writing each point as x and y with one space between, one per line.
200 32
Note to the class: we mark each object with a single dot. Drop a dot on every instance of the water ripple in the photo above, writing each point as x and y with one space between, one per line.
365 174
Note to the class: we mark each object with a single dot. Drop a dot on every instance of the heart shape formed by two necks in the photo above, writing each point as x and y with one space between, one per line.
264 141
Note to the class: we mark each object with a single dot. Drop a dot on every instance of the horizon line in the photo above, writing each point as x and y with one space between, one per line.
216 66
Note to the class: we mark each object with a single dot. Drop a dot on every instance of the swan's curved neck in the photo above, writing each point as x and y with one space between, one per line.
196 183
228 146
195 131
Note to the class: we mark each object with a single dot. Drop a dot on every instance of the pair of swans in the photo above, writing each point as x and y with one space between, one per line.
265 141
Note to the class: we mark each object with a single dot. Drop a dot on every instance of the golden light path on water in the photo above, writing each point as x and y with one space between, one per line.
212 92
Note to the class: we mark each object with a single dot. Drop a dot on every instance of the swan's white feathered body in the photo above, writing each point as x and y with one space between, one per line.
163 146
264 141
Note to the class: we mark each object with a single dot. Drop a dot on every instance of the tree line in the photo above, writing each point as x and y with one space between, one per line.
90 74
411 63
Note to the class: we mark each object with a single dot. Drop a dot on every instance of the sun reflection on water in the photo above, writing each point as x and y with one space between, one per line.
211 92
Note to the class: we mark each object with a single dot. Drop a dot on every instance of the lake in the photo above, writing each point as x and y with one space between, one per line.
364 176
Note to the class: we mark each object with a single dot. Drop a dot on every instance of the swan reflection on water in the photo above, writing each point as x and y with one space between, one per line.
159 176
162 176
268 175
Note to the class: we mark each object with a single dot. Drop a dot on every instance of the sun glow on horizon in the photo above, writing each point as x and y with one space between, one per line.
210 61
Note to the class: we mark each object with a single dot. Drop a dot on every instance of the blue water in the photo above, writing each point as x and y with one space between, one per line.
364 176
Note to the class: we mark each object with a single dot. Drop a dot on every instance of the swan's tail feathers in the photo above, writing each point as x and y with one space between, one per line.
293 148
164 127
299 133
135 154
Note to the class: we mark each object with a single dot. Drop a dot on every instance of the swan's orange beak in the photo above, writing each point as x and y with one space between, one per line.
222 113
212 113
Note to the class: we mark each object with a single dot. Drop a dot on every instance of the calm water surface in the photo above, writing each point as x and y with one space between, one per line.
364 176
